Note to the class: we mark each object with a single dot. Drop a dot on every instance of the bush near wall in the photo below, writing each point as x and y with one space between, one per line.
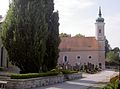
1 68
68 72
44 74
33 75
114 82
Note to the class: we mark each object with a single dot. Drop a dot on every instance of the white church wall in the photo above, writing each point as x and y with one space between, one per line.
84 57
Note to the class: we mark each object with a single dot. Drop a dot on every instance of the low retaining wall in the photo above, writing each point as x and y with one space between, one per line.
72 76
41 81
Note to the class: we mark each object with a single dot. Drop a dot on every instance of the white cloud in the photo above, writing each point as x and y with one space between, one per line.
3 6
73 3
66 7
70 18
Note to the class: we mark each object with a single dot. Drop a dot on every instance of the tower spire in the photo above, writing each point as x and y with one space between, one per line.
100 14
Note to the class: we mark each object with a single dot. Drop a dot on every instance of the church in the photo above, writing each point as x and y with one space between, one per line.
75 50
83 50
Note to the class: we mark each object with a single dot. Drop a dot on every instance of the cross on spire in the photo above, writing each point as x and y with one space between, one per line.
100 14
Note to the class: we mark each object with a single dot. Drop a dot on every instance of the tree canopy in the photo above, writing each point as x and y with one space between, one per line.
79 35
64 35
113 55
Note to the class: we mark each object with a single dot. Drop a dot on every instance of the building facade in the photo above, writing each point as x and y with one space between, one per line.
83 50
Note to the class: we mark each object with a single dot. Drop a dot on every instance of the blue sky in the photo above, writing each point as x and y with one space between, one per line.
78 16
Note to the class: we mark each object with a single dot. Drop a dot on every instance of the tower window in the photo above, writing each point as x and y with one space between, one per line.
99 30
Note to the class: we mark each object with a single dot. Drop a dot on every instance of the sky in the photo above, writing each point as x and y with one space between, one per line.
78 16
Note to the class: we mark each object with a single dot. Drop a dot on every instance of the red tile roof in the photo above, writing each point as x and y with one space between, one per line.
78 44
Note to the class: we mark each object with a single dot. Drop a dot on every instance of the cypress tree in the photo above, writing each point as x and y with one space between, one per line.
53 40
24 34
31 35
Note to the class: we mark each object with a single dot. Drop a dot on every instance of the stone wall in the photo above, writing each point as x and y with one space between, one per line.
38 82
72 76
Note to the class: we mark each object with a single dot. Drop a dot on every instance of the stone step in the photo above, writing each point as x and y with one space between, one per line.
4 78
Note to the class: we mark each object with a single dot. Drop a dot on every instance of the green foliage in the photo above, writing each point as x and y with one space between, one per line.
112 56
107 47
31 35
63 71
79 35
114 79
1 68
24 34
113 84
53 72
53 40
64 35
116 49
33 75
68 71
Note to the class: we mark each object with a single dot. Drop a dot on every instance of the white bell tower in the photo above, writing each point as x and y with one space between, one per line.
100 37
100 34
100 31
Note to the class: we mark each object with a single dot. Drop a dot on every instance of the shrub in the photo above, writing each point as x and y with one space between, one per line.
1 68
114 79
33 75
53 72
113 83
68 71
63 71
24 76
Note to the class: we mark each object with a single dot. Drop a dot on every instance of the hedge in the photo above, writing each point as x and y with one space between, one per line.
68 71
43 74
1 68
33 75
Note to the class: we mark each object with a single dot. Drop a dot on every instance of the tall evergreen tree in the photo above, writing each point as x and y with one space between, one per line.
24 34
53 40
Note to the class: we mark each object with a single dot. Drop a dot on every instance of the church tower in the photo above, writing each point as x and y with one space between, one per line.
100 33
100 37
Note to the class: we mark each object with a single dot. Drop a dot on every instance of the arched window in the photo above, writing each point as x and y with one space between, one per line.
65 59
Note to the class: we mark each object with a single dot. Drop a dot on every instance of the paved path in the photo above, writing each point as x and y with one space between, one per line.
90 81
